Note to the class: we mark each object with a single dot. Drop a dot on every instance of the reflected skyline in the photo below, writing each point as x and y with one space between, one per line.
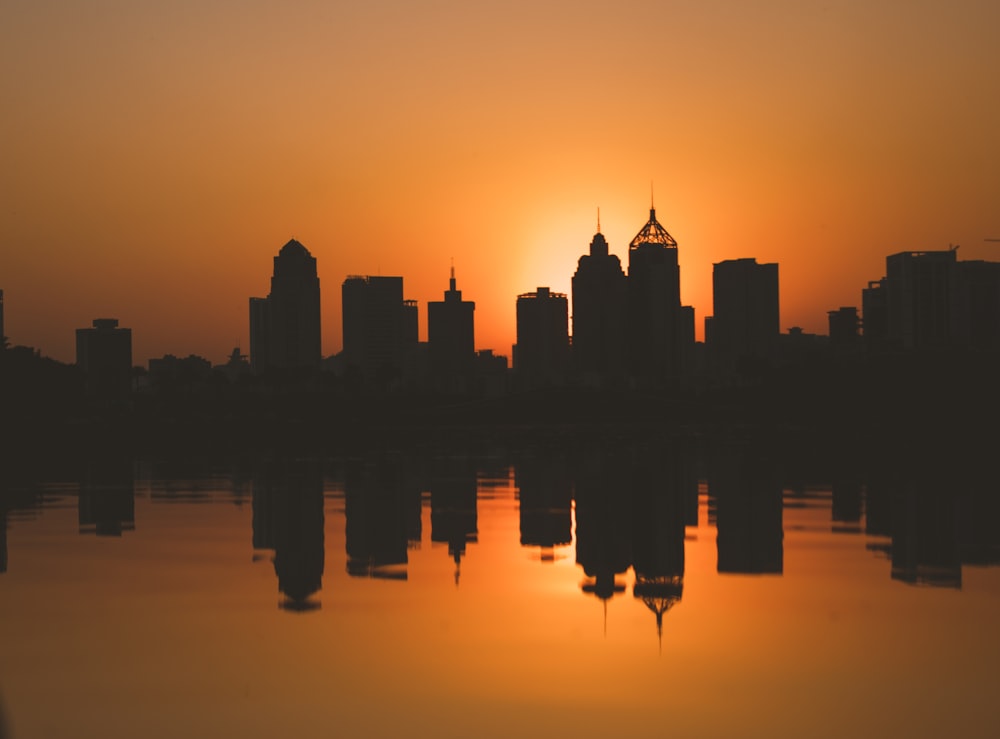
624 511
681 564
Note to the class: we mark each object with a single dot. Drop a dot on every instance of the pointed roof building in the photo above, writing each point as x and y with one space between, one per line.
653 233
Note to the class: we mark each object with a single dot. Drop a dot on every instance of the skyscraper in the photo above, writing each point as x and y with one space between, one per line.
600 305
541 355
920 294
380 328
745 322
661 333
451 338
2 334
930 301
285 326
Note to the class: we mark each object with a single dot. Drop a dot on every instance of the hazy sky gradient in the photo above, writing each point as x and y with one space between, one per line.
155 156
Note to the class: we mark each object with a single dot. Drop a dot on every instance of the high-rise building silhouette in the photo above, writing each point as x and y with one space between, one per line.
920 289
2 334
930 301
104 354
600 308
541 355
285 326
451 339
745 324
975 315
380 329
661 331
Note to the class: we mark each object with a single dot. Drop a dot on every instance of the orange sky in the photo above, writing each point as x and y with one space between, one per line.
155 156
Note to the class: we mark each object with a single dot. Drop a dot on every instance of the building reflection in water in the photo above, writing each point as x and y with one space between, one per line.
746 506
19 501
453 489
979 523
662 484
545 503
288 519
106 503
929 525
382 509
633 505
603 541
846 507
3 533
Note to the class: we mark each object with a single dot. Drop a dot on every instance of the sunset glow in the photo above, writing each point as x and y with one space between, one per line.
157 156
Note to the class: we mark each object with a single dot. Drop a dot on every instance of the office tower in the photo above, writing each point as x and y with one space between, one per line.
380 328
929 300
661 333
975 315
451 338
600 305
920 289
745 324
285 326
541 355
104 354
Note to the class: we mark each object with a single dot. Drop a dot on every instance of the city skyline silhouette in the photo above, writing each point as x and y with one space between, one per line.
529 368
578 316
769 133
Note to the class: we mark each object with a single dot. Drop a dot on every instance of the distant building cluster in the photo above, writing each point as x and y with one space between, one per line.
619 328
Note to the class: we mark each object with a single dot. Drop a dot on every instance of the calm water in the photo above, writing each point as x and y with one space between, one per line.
641 592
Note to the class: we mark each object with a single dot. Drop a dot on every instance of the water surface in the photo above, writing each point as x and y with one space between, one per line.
641 591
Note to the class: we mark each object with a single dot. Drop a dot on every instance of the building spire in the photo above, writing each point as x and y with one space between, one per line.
451 282
653 232
598 219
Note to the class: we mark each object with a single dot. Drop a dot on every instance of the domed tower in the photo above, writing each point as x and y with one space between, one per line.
599 311
285 326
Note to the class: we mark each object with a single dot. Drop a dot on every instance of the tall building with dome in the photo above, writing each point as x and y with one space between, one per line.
600 305
285 326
